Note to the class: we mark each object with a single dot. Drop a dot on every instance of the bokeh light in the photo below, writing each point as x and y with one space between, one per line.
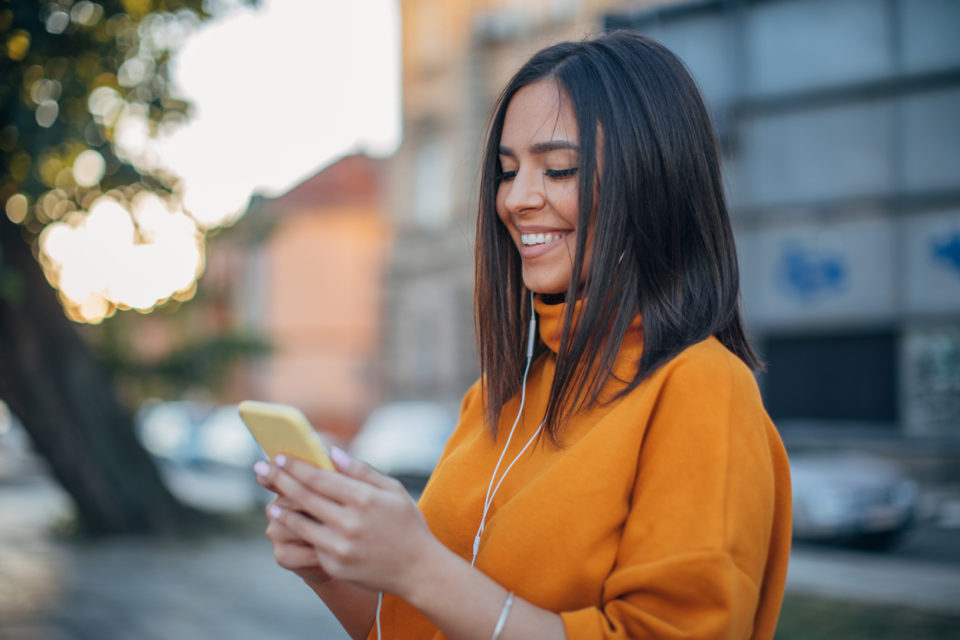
18 44
47 112
17 207
86 13
122 254
88 168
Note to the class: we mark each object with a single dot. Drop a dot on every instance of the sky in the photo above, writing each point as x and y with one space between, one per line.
279 91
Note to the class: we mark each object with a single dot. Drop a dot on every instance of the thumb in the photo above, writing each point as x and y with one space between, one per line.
360 470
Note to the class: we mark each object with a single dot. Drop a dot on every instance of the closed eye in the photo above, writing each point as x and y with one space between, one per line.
559 174
506 176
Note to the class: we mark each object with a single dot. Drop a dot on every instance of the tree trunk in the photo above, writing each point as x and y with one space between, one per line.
66 401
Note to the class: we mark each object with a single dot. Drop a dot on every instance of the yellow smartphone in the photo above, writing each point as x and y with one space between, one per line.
280 428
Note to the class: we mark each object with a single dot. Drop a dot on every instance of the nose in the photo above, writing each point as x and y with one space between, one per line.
525 192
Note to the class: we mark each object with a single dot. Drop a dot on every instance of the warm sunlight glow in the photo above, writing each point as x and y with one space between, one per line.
122 255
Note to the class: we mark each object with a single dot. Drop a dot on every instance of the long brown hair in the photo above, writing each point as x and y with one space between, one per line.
662 242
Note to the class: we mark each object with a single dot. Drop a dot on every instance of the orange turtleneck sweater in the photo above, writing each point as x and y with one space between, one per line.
665 514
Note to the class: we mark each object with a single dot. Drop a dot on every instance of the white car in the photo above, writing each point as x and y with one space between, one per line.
852 499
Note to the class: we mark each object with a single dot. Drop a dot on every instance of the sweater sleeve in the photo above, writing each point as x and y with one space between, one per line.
695 545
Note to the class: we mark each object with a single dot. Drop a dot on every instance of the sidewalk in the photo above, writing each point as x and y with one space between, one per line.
130 589
874 578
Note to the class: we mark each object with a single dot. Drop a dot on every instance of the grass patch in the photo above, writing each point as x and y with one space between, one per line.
813 618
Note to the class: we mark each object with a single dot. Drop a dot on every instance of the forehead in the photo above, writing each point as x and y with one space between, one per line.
538 112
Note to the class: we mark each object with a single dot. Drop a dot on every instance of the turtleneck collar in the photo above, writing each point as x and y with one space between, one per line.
550 324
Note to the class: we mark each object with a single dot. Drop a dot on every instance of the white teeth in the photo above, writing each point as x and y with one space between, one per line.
540 238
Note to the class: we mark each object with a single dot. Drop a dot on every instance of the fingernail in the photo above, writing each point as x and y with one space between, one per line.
261 468
340 457
275 511
280 459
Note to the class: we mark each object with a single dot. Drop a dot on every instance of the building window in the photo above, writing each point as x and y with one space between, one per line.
849 377
433 188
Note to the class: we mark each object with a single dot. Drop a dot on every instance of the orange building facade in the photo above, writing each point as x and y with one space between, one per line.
313 289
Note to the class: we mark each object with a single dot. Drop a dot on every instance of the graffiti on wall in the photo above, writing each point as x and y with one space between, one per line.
946 250
808 272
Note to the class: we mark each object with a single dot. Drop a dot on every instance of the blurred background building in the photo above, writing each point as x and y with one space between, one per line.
307 277
843 163
839 125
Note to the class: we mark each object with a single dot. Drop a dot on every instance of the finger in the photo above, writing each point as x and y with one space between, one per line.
361 470
293 556
307 498
286 503
281 530
262 470
282 502
351 486
330 484
312 532
279 533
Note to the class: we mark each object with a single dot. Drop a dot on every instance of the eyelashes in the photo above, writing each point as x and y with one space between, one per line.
553 174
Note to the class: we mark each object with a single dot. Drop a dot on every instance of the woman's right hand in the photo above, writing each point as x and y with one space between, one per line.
292 552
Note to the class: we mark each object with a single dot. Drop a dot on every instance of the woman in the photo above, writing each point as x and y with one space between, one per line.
615 475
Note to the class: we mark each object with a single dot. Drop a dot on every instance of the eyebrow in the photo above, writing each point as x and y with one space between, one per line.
543 147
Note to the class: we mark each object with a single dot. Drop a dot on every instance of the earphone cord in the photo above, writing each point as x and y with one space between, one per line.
491 489
489 501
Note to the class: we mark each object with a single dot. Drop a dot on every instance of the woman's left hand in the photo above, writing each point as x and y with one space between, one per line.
363 525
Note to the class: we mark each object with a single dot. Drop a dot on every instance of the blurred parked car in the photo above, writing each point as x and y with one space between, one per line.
405 440
851 499
196 434
204 453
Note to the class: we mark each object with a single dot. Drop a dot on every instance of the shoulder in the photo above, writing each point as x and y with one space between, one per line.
707 390
473 398
708 366
471 409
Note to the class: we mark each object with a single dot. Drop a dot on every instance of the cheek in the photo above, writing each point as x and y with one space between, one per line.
501 209
566 204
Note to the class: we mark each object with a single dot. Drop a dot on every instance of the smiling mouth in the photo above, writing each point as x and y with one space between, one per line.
530 239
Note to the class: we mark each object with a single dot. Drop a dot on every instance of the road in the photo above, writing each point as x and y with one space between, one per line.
913 576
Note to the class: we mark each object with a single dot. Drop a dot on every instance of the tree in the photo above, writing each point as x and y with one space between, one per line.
73 75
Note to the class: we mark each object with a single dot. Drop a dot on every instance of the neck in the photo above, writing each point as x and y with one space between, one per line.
554 298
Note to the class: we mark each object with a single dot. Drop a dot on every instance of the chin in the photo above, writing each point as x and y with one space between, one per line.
547 278
545 288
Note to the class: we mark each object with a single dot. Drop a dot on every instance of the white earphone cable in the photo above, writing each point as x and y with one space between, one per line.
491 489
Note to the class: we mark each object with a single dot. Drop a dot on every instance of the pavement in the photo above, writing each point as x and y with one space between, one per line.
54 588
877 578
133 589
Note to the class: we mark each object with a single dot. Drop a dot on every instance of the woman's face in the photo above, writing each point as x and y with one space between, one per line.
537 195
